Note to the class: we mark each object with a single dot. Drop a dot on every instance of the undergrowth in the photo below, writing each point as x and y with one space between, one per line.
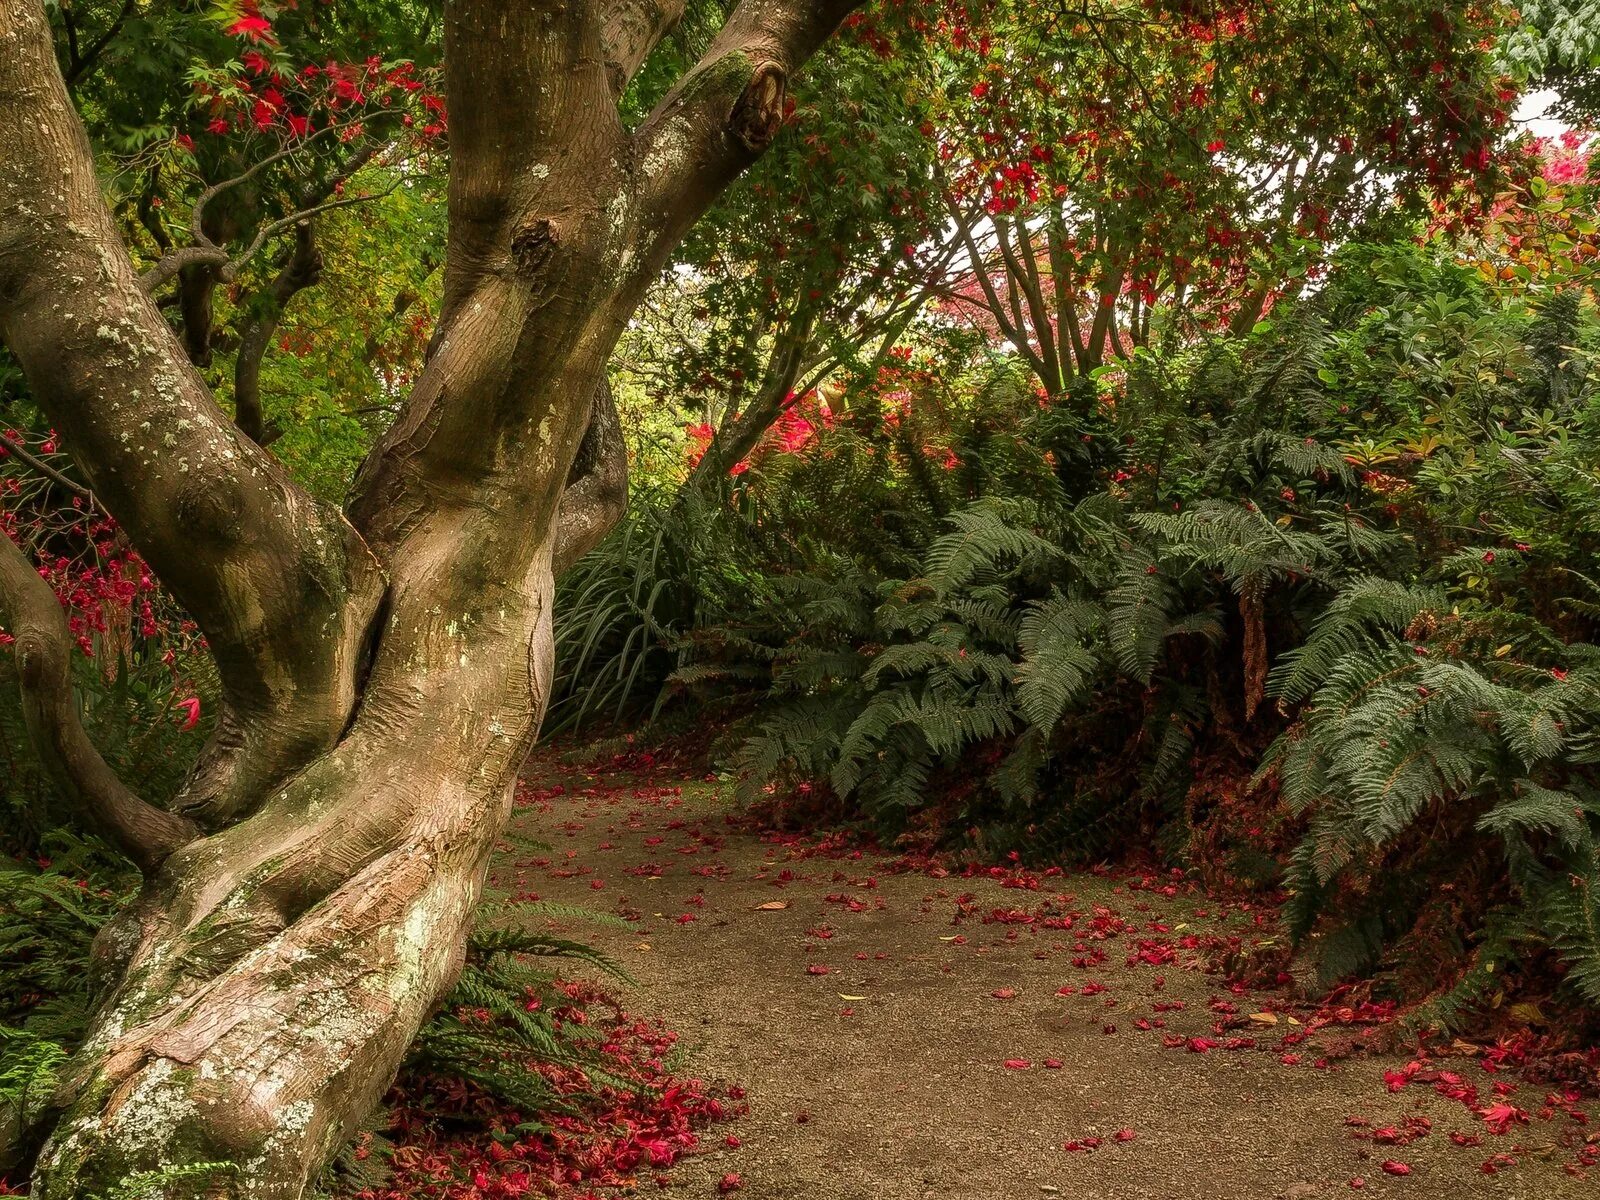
1311 608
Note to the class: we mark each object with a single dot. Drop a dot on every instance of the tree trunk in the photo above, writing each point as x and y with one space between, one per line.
383 670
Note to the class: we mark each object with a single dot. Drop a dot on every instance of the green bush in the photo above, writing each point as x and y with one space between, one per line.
1365 534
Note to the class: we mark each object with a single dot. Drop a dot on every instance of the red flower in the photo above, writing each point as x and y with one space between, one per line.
191 706
1396 1168
730 1183
1213 147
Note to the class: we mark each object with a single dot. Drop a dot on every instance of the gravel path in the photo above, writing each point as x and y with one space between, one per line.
901 1035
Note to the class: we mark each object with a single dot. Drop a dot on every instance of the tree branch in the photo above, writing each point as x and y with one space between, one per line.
83 64
23 455
43 650
279 582
172 263
740 433
596 495
724 113
633 28
302 270
205 252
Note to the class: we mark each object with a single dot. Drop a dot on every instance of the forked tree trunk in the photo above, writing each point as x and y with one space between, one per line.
384 671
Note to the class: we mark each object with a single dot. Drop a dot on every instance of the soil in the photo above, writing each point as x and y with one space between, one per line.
887 1077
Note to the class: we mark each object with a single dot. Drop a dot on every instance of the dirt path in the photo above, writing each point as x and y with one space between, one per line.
887 1077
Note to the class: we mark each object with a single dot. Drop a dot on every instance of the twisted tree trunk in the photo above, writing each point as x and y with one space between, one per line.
384 669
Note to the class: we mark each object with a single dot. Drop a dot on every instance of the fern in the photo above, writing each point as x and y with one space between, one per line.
489 1034
1369 607
1138 610
1056 664
986 533
1569 906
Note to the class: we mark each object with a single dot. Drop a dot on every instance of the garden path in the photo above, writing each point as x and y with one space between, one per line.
901 1033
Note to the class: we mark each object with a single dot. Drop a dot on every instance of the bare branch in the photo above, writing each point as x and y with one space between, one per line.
197 215
23 455
171 264
273 228
43 649
1014 332
302 270
596 495
205 252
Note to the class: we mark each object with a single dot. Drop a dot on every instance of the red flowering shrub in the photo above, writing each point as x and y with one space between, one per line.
141 675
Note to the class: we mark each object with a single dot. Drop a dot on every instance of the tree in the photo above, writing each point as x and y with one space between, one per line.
1557 45
1186 164
383 668
819 257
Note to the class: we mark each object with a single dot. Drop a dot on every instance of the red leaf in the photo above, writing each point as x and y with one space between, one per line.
256 28
1500 1116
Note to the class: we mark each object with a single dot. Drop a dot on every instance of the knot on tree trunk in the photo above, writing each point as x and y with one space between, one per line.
533 244
210 507
758 115
35 662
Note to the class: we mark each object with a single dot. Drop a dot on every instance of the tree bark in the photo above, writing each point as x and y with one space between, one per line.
384 670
